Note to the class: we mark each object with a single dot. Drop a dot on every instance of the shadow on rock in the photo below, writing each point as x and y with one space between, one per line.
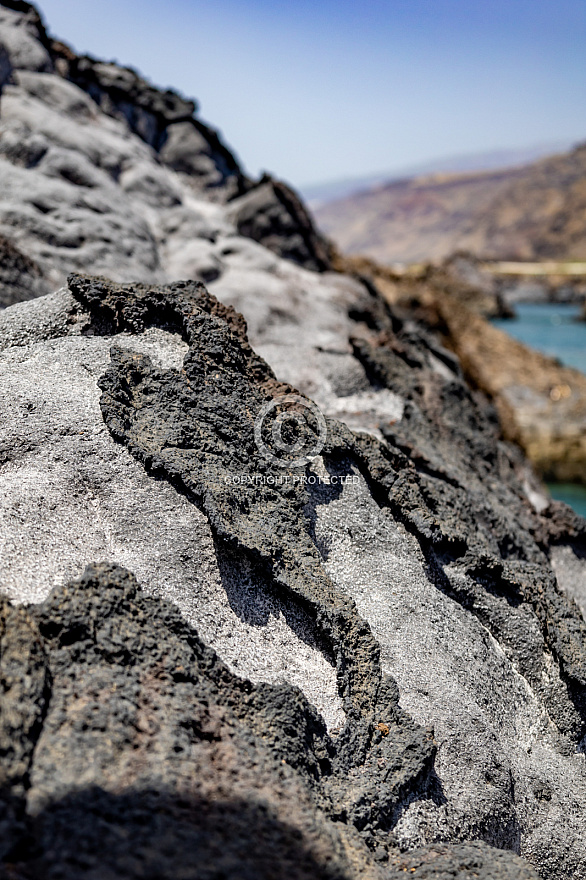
255 599
155 834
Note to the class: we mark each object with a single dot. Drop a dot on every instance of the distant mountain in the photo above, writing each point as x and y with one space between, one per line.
320 193
536 211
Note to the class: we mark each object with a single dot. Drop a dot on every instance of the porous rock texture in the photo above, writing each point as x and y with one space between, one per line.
413 604
540 403
207 669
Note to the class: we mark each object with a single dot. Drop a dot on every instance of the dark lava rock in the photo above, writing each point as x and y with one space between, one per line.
466 861
129 749
5 67
196 429
272 214
163 119
140 755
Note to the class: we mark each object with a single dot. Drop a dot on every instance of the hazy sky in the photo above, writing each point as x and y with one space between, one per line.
314 91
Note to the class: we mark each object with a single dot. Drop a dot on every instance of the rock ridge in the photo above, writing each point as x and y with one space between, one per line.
441 474
501 566
100 169
197 442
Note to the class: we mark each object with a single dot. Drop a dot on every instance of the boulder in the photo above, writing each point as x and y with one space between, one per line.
272 214
405 590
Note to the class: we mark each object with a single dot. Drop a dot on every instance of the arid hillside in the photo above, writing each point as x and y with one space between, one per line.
533 212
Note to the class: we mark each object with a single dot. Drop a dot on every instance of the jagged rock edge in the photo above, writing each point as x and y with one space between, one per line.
371 697
561 622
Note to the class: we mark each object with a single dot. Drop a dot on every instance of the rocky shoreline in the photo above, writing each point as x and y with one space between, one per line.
279 597
541 404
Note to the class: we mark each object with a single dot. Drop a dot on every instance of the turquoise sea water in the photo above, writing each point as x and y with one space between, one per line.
573 495
554 330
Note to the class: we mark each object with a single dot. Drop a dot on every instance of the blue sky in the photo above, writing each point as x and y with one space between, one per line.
318 92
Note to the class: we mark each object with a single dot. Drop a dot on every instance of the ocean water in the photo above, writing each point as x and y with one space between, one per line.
573 495
554 330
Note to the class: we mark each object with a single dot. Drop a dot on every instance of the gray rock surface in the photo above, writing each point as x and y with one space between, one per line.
569 564
82 483
312 584
399 677
93 160
24 38
20 277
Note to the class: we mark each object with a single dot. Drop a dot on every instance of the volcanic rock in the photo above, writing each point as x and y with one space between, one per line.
541 404
100 169
364 661
20 277
105 171
416 593
273 215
